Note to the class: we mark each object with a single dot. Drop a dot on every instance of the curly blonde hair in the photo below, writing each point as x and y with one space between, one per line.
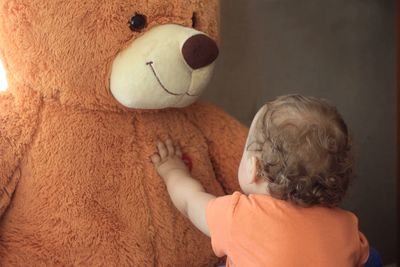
305 151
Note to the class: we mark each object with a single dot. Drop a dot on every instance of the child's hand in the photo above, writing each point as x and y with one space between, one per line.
168 160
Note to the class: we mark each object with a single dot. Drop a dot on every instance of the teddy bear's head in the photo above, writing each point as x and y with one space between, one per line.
145 54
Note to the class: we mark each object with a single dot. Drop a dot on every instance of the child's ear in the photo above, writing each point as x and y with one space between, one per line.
254 170
260 183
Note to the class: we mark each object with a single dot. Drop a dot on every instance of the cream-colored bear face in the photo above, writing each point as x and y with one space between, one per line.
168 66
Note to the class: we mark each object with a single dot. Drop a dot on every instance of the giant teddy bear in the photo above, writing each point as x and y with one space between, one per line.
92 86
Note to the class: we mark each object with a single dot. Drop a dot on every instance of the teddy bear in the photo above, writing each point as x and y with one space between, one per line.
92 86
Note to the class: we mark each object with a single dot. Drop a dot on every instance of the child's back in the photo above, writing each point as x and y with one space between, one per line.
259 230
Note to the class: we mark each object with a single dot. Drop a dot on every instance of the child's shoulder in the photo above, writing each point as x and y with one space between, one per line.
239 203
269 205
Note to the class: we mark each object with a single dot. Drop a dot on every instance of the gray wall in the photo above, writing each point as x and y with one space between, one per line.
342 50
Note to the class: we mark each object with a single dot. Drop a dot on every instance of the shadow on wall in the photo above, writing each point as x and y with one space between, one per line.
341 50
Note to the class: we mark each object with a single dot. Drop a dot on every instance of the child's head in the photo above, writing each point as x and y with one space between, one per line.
298 149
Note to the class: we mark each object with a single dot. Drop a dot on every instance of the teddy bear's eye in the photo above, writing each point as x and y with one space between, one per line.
138 22
194 20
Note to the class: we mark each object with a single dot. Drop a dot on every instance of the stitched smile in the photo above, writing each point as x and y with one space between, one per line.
150 64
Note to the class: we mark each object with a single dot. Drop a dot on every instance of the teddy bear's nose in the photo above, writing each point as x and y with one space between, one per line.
199 51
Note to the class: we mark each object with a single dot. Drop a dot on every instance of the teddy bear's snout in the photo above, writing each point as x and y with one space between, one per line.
171 61
199 51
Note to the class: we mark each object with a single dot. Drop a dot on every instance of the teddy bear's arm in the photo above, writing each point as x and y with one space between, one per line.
18 120
226 138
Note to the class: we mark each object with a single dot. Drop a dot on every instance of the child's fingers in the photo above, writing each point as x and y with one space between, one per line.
155 159
178 151
170 147
162 150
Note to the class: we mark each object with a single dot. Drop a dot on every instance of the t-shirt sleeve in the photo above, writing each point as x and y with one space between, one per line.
364 249
219 215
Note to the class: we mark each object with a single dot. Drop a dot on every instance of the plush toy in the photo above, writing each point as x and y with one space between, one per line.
92 86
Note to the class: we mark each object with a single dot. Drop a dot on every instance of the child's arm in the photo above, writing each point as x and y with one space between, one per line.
187 194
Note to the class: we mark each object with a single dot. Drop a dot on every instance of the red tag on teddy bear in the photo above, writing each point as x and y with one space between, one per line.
188 161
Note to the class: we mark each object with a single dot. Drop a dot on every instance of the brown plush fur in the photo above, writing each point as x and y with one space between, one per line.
77 187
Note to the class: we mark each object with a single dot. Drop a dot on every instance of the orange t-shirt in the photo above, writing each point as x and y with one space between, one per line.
258 230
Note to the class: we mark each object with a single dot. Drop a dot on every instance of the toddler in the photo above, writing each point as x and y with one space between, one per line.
295 170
